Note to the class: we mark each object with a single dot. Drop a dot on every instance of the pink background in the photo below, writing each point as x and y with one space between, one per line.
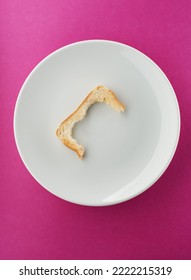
35 224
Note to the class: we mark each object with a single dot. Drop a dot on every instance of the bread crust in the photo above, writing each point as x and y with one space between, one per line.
99 94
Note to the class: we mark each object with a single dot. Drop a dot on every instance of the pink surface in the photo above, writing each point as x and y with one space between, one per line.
35 224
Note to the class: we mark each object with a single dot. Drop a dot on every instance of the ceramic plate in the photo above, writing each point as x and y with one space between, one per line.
125 152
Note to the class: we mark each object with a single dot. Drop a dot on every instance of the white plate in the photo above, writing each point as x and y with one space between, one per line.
125 152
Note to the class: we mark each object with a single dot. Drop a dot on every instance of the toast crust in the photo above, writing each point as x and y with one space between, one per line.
99 94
